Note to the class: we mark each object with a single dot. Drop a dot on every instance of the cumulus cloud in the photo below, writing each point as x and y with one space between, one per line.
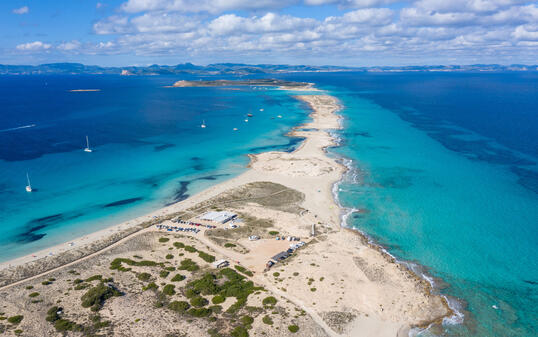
69 46
363 28
211 6
22 10
34 46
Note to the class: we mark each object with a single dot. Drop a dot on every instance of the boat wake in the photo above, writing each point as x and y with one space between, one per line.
18 128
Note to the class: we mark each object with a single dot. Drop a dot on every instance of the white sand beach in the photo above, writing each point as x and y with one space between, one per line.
347 286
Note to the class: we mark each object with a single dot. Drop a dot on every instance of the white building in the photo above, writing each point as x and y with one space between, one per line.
220 217
221 264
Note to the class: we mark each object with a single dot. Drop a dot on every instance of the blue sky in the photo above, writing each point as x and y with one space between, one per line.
335 32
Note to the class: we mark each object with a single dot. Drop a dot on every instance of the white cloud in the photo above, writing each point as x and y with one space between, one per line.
526 33
351 3
34 46
112 25
22 10
196 6
371 16
270 22
69 46
215 28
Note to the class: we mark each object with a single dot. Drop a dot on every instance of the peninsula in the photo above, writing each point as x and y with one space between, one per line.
161 275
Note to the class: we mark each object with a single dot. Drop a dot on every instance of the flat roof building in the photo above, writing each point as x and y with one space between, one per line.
281 256
220 217
220 264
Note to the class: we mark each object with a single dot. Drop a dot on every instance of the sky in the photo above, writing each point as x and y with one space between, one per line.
314 32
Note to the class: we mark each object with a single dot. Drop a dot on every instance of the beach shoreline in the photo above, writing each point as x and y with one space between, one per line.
309 170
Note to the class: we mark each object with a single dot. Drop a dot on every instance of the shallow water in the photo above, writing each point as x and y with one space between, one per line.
149 149
444 175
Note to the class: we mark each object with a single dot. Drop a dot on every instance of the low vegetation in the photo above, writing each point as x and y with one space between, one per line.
293 328
243 270
96 296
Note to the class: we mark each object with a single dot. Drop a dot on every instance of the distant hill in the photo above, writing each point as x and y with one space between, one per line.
237 69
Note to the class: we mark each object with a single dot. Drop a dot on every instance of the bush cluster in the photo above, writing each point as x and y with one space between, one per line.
206 257
96 296
178 278
244 270
188 265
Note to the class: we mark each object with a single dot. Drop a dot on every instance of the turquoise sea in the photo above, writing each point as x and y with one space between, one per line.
443 169
149 149
443 174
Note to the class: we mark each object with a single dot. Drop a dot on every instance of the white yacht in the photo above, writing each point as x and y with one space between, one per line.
29 186
87 148
203 125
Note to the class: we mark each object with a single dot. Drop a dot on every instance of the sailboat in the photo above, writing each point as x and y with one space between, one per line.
29 186
87 149
203 124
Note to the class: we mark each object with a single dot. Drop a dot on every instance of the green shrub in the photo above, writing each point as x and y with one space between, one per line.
52 314
218 299
293 328
34 294
190 249
144 276
46 283
237 305
94 277
295 274
151 286
276 274
169 289
66 325
163 240
178 278
81 286
313 289
199 301
239 331
189 265
96 296
179 306
244 270
229 245
273 233
269 301
29 287
179 245
170 268
199 312
217 309
164 273
77 281
15 319
247 320
169 256
17 332
267 320
206 257
116 264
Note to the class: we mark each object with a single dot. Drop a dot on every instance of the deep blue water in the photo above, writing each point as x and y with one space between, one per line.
445 176
149 149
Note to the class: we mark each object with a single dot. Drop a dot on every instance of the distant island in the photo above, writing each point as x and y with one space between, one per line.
252 82
239 69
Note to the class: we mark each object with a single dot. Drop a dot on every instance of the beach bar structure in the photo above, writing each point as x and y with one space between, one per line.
280 256
221 264
220 217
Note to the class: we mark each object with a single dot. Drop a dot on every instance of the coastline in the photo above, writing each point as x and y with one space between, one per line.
309 170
